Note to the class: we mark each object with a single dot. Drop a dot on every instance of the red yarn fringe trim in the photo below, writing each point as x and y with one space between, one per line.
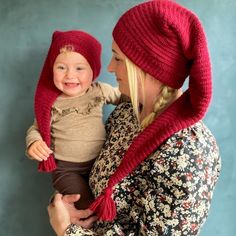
104 207
47 166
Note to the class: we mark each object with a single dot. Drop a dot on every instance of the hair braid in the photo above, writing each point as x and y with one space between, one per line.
166 96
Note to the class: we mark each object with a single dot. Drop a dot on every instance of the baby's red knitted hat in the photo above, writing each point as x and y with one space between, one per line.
168 42
46 92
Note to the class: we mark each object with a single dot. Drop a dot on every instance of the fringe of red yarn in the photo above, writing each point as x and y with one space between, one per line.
47 166
104 206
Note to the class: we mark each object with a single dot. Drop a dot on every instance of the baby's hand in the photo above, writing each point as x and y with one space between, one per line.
39 150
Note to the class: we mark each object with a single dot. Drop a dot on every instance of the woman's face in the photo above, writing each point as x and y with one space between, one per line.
118 67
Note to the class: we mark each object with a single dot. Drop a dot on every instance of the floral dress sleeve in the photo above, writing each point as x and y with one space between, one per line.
111 229
76 230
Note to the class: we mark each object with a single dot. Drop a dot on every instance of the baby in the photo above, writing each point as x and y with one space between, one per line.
68 132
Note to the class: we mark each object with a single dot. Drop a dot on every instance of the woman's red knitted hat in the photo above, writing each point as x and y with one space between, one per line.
46 92
168 42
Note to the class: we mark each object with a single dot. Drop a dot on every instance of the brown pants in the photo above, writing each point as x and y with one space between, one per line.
72 178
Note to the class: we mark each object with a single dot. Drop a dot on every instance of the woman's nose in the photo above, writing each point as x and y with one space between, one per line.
110 66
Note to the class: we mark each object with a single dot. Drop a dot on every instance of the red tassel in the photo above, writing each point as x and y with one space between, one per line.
47 166
104 206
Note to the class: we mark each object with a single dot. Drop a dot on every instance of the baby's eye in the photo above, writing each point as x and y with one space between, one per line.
61 67
79 68
117 59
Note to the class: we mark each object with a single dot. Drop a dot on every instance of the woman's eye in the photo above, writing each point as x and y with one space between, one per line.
61 67
79 68
117 59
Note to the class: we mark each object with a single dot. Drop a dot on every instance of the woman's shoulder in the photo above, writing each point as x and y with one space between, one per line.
124 108
197 133
122 122
190 151
193 144
123 113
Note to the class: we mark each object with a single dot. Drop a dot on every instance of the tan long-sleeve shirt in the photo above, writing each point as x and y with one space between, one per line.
77 129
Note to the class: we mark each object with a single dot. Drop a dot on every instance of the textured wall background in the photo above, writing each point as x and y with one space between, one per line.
25 32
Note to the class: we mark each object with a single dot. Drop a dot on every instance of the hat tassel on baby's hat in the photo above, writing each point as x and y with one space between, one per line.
168 42
45 95
46 92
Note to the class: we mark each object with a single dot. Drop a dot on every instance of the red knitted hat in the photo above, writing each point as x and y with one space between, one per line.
46 92
167 41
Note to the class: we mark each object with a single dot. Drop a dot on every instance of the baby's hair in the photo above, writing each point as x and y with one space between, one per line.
167 94
67 48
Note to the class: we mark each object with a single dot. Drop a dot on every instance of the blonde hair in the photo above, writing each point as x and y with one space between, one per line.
67 48
166 96
135 74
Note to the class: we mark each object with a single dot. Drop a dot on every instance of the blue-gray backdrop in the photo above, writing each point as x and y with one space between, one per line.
25 32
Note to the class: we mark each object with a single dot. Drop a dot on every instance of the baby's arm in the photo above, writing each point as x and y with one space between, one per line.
111 94
36 148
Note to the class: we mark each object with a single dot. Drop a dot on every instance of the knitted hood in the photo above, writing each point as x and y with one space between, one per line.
46 92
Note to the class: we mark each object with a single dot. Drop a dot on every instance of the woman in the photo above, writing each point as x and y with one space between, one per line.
159 165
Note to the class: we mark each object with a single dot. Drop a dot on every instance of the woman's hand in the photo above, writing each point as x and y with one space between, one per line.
84 218
39 150
62 213
59 215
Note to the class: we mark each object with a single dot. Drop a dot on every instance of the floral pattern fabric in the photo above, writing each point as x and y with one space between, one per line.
169 193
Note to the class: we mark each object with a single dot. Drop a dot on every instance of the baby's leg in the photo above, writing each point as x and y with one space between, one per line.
70 180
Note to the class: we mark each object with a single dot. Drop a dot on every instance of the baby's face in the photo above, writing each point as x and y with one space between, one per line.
72 74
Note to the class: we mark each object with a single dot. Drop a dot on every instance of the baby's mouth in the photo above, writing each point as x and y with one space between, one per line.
72 85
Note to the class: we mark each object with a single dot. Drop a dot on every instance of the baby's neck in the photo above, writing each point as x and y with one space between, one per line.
64 96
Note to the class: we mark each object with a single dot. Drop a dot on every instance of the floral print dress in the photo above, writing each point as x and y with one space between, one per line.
167 194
